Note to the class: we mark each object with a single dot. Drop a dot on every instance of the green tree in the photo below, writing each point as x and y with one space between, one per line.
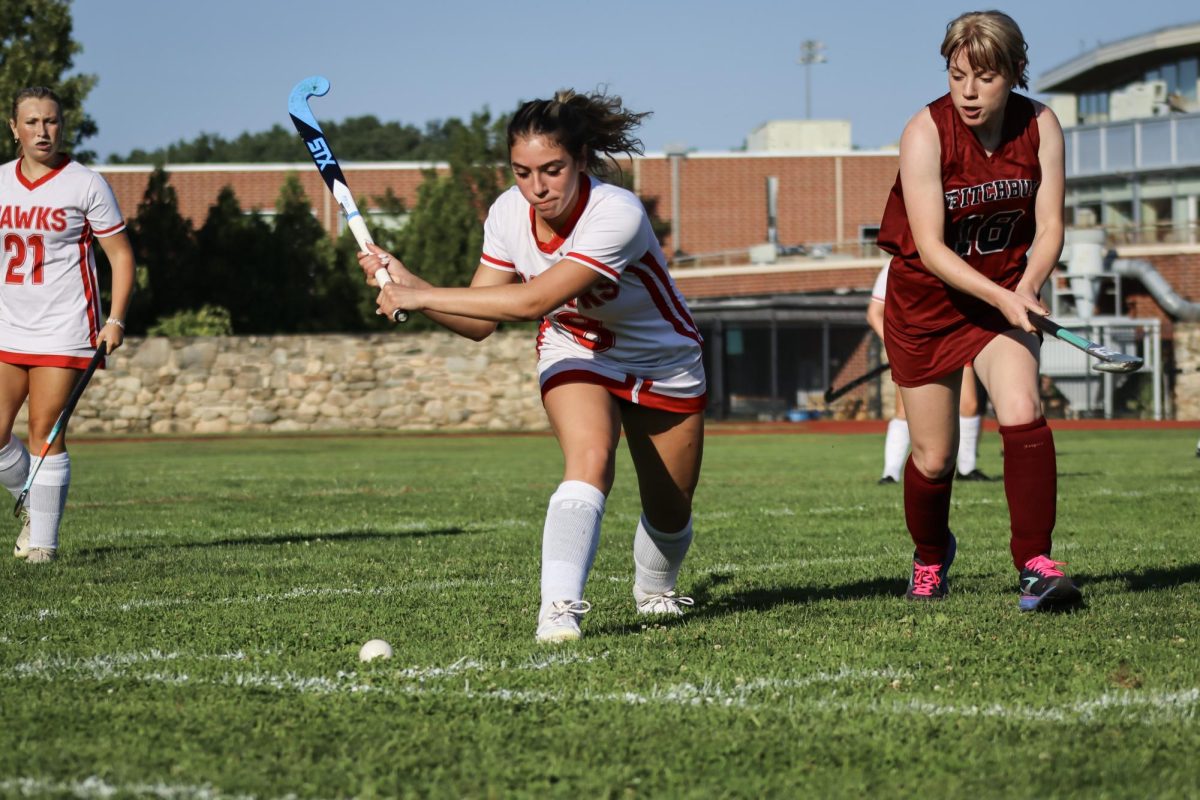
164 244
444 235
36 49
320 296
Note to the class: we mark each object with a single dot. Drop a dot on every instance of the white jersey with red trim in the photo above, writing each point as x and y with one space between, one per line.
635 320
49 295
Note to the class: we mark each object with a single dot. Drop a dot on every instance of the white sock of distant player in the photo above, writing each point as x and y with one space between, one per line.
657 556
895 448
47 497
569 541
968 443
14 466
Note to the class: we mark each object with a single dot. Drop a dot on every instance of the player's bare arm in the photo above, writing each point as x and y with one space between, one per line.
1047 244
512 302
120 258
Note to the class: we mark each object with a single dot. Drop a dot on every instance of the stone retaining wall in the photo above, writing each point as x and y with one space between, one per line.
415 382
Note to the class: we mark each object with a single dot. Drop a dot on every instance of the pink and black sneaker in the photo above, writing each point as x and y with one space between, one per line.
1045 587
928 581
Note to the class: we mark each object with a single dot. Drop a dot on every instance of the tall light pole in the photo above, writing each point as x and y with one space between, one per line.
811 52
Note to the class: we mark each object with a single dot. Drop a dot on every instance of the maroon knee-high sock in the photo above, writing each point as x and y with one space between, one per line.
1031 486
927 512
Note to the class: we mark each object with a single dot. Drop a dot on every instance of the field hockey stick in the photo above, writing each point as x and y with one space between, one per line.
1109 360
60 424
832 394
331 172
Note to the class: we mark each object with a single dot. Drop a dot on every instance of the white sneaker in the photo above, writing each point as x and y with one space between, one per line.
21 548
561 623
40 555
666 603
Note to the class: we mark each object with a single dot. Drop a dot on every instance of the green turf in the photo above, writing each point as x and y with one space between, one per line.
198 637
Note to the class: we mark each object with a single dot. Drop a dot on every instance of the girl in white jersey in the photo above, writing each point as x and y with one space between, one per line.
617 347
52 210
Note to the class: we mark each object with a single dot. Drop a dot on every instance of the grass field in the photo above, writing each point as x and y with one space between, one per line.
198 637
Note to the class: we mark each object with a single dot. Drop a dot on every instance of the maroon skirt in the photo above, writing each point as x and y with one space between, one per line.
930 329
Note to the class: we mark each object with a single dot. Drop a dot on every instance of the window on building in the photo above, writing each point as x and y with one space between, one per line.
1189 73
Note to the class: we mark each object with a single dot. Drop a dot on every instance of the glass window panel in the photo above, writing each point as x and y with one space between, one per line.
1189 72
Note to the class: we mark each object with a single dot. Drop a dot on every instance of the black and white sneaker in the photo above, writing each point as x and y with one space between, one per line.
1045 587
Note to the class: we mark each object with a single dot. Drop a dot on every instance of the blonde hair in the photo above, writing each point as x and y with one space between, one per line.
991 40
588 126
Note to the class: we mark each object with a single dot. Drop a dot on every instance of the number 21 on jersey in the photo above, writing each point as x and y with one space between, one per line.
24 254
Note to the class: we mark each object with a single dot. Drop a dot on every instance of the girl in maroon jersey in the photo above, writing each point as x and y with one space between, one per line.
974 224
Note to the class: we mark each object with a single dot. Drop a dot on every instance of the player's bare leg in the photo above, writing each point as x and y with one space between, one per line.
928 481
667 449
14 455
588 426
49 388
1008 367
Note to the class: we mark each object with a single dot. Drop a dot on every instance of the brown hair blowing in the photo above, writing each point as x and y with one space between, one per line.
590 127
993 41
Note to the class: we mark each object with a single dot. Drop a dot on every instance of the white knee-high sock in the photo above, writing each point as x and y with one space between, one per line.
14 466
968 443
569 540
47 497
895 448
657 556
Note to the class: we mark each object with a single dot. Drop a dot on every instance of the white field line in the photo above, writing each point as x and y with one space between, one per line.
1141 706
420 587
95 788
124 666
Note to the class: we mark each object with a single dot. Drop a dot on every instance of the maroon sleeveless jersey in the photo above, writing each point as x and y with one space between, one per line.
930 328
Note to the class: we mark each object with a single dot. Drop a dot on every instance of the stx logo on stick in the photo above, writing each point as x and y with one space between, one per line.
321 153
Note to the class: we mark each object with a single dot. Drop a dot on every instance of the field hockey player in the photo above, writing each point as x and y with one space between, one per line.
617 347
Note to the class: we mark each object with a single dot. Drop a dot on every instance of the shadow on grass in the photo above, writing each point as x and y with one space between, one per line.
1148 580
241 541
758 600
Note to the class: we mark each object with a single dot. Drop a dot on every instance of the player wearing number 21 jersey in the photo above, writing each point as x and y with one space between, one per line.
50 311
632 330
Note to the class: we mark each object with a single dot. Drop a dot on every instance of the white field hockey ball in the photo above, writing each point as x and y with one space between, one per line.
376 648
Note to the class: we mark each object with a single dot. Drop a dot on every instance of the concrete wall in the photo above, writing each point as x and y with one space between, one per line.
402 382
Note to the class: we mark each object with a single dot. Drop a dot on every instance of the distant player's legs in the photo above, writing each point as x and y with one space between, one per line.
928 481
1008 367
970 420
667 449
587 423
895 444
49 388
14 457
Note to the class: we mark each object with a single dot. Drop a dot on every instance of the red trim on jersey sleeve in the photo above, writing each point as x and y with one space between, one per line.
28 184
498 263
46 360
110 231
624 391
585 191
598 265
672 311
